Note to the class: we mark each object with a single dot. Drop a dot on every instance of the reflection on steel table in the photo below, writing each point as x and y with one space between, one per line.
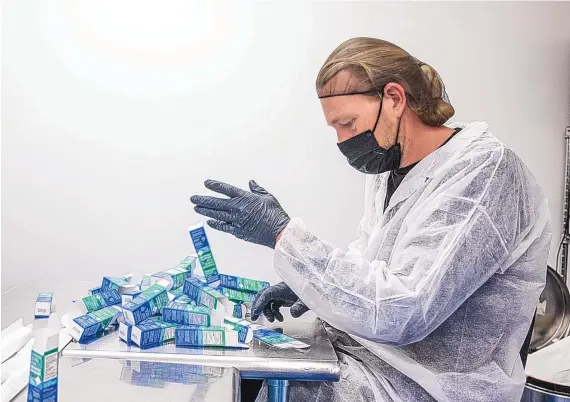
95 380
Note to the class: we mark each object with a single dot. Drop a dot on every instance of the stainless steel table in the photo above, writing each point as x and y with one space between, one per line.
99 379
278 366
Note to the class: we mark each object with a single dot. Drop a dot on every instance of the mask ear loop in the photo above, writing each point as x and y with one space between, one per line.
398 133
379 113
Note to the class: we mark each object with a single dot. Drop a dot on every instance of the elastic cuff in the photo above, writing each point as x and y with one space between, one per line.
291 225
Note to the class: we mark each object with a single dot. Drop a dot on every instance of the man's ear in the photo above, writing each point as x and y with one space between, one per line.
395 92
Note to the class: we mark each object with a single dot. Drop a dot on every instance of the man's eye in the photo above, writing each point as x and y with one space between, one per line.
347 123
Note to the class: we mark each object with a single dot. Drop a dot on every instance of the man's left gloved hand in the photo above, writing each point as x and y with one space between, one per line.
268 301
254 216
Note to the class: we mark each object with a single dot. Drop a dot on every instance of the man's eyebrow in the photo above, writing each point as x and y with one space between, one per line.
342 117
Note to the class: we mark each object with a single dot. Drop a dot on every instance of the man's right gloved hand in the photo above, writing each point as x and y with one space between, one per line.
269 300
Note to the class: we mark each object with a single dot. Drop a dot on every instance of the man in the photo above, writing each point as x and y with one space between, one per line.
435 298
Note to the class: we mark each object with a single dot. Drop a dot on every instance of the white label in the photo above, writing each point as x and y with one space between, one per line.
198 319
75 331
212 337
135 335
126 299
129 317
213 370
169 333
123 331
43 309
207 300
50 366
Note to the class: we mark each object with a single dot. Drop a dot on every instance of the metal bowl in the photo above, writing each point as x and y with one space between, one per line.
552 319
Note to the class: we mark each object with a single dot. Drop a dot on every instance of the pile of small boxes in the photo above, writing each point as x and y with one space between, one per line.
174 305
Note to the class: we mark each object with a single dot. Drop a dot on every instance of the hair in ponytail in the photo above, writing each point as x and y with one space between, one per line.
377 62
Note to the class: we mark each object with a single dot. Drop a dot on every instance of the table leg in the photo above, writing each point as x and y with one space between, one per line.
278 390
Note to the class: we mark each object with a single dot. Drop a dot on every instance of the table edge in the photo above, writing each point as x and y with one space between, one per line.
248 367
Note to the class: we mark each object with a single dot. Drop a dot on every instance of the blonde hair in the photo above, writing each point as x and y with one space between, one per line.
376 62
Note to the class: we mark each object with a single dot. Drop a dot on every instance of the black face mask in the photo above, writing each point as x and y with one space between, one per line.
365 155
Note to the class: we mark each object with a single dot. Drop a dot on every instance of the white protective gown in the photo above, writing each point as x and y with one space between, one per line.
435 298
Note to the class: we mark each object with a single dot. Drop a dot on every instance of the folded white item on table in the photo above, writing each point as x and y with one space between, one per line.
22 358
15 341
15 383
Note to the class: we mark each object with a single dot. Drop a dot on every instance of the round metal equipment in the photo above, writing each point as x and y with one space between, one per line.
544 391
552 319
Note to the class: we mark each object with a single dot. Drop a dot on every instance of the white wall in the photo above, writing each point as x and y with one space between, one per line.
115 112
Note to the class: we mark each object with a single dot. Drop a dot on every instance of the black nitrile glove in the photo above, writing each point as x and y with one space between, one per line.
254 216
269 300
